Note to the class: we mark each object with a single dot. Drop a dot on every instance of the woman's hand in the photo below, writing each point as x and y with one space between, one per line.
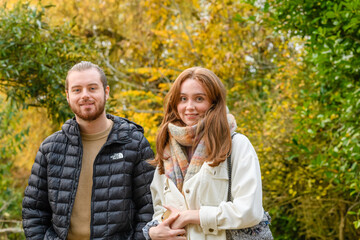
184 218
164 231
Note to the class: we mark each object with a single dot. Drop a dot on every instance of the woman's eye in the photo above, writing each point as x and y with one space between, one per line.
182 99
199 99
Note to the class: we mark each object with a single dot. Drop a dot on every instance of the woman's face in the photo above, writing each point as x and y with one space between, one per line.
193 103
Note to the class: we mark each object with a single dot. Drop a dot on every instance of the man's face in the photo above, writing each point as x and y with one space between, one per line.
86 95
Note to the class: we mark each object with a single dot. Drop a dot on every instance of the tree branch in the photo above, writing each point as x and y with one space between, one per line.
6 204
116 72
10 221
187 32
11 230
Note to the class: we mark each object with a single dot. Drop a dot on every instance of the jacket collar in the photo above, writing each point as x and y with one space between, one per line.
121 131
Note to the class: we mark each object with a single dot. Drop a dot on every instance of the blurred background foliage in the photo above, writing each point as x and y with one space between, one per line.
291 68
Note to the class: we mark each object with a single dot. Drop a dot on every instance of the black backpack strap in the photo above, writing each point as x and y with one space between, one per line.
229 170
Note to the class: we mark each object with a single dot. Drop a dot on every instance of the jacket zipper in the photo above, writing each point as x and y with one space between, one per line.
77 177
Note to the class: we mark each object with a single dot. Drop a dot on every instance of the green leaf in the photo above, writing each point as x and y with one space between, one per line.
330 14
357 224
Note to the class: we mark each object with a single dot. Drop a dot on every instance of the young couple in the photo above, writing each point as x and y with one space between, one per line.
94 178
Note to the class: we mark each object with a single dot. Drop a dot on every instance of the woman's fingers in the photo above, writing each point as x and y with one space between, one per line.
170 212
179 233
181 237
171 219
164 232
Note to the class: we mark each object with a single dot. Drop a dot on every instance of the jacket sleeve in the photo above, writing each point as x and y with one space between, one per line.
36 212
245 210
142 178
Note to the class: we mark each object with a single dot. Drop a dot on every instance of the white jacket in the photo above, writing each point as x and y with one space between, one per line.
207 191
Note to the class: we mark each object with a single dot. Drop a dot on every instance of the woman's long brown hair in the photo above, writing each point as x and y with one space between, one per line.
214 129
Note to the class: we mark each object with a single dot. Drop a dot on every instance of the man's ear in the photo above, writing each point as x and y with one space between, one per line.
107 92
67 95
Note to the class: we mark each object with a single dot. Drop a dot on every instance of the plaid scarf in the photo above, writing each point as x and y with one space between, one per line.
177 166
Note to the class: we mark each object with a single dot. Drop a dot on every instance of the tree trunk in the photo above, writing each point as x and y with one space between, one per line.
342 221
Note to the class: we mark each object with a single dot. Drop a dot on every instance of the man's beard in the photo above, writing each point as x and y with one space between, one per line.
88 116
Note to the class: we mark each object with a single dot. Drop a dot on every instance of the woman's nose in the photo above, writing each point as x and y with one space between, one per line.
190 105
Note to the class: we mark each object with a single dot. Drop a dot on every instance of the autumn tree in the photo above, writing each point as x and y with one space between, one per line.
12 140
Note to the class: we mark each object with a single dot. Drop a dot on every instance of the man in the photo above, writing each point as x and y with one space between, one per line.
90 180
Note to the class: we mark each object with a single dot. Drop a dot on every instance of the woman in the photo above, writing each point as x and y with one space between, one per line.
191 179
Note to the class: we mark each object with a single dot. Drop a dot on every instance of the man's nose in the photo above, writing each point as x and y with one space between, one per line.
85 94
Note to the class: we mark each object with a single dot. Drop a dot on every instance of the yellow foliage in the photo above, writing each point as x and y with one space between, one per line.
39 128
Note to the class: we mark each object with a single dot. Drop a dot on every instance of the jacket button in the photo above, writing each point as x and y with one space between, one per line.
211 230
187 191
166 188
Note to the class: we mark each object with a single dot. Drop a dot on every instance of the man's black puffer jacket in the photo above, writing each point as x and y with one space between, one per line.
121 201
